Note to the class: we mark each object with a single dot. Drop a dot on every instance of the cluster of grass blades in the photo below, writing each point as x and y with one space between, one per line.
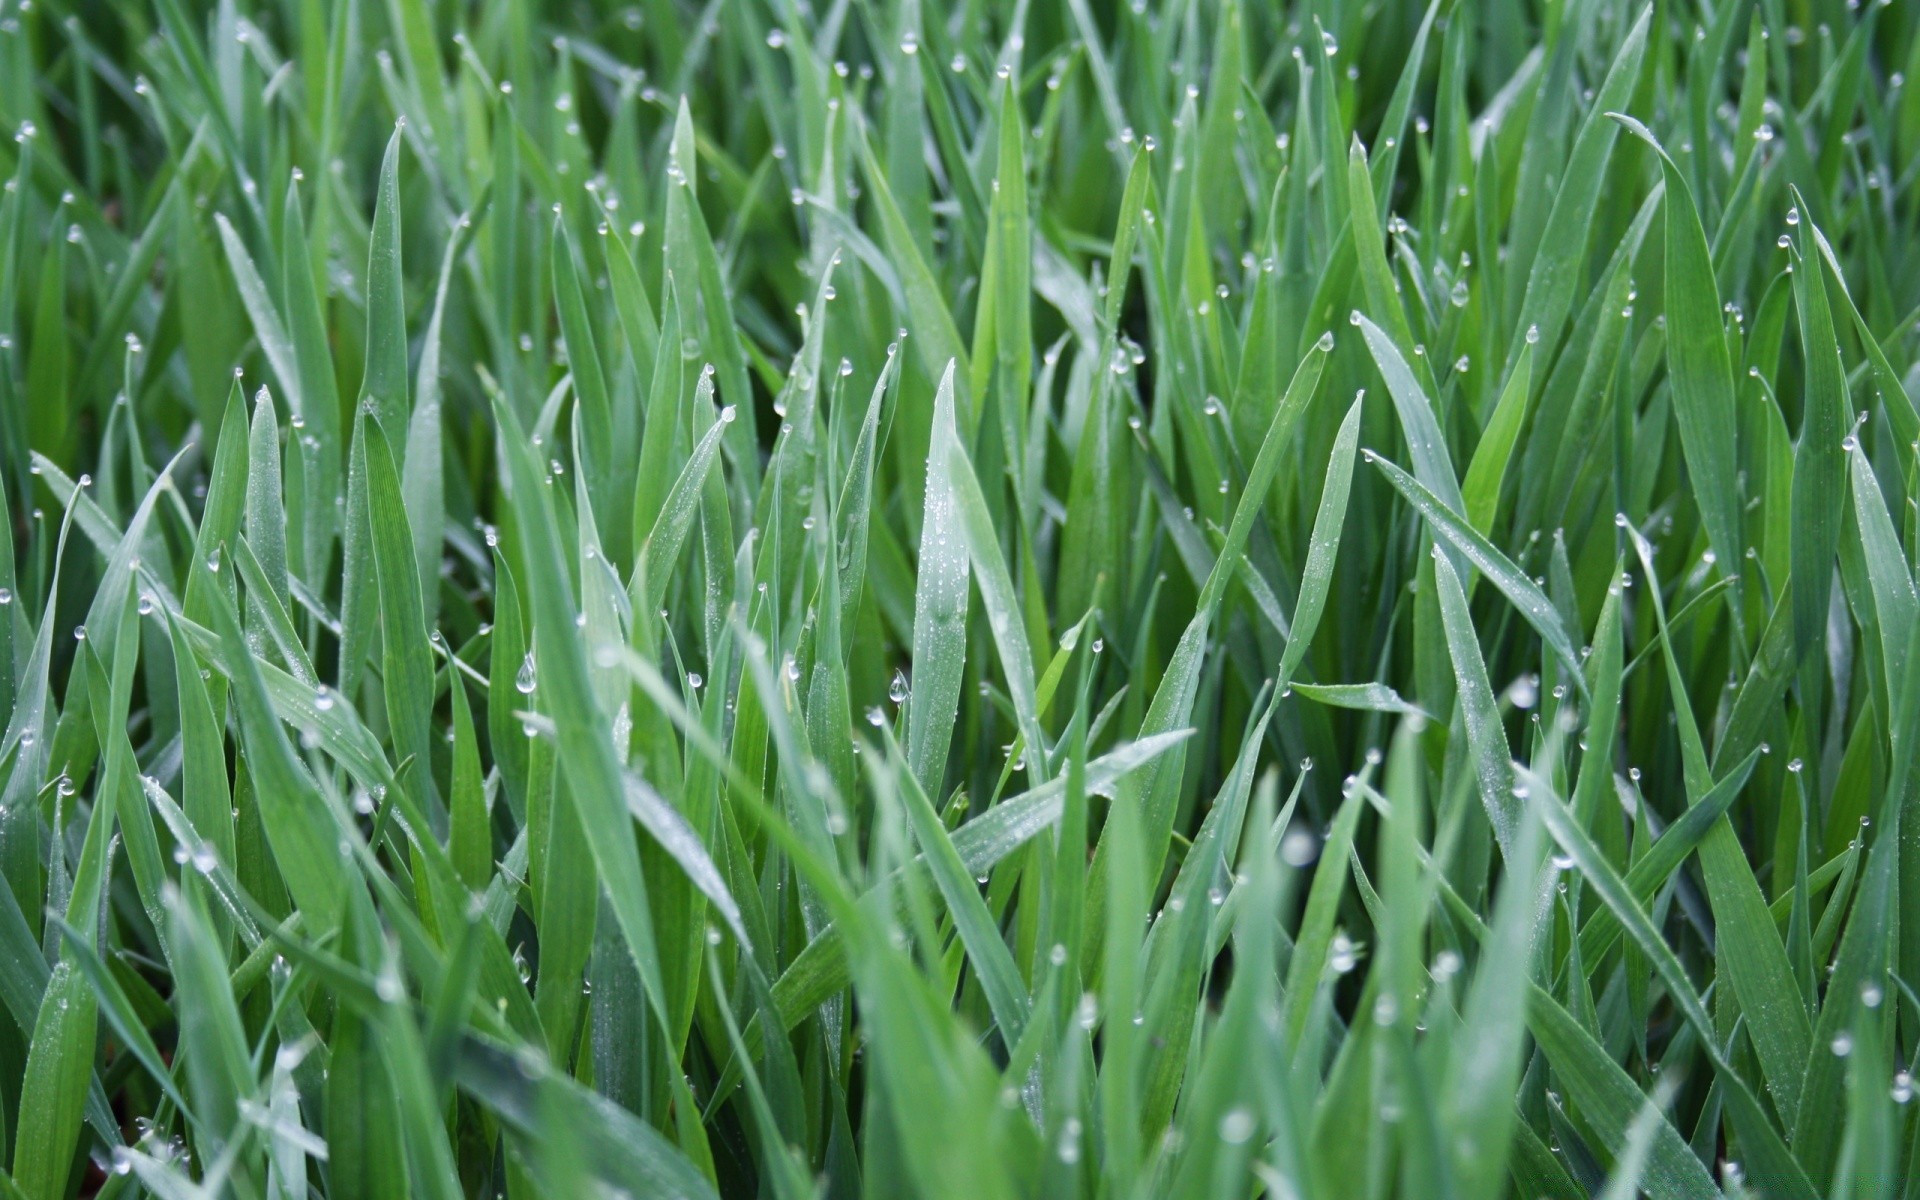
741 599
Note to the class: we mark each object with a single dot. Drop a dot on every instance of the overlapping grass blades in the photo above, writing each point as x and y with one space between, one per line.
879 599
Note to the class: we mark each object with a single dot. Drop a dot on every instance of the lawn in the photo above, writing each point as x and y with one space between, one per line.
871 598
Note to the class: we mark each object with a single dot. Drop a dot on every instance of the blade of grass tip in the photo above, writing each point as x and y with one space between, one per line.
470 834
224 510
1010 247
856 496
1460 538
1603 708
272 619
1487 737
940 606
1891 392
1426 443
632 306
1894 598
976 529
795 461
665 418
383 389
1697 361
1362 697
1376 276
690 251
422 481
266 512
50 420
1126 237
257 300
204 789
510 673
1316 577
406 659
1819 459
115 592
319 391
593 404
1487 470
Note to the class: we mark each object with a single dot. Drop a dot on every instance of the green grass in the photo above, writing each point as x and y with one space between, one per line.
865 598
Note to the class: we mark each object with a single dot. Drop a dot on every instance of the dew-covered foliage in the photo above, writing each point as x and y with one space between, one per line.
877 598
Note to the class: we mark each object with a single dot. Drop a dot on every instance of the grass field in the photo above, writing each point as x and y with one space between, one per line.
872 598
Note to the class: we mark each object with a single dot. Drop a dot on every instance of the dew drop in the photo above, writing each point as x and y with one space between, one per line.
1237 1126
